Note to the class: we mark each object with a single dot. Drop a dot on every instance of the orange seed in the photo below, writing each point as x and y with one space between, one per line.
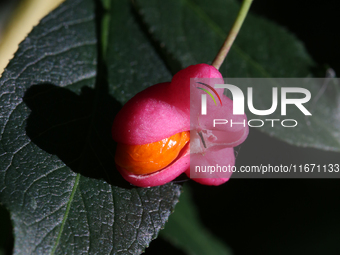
151 157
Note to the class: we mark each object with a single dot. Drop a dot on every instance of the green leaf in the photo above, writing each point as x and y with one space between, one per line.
134 64
185 230
192 31
57 171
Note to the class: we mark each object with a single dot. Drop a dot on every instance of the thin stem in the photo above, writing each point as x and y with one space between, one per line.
232 34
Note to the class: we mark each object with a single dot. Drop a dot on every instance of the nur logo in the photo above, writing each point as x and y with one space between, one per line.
204 97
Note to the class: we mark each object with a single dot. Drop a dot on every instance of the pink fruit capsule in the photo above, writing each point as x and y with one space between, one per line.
161 113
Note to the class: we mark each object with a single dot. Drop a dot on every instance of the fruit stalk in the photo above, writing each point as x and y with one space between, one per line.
221 55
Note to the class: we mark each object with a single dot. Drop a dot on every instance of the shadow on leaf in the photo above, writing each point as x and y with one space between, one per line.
76 128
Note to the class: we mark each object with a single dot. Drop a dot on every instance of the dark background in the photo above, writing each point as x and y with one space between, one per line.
270 216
